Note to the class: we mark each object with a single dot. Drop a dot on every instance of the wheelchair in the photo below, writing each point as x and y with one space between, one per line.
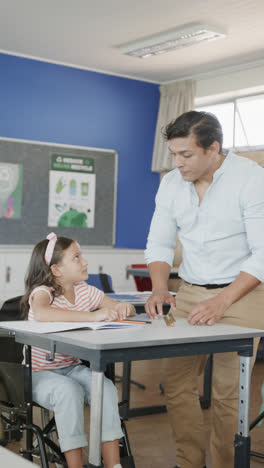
16 405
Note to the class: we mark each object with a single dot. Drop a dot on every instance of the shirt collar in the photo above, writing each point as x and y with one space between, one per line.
223 166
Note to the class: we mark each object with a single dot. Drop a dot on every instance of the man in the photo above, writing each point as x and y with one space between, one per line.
215 203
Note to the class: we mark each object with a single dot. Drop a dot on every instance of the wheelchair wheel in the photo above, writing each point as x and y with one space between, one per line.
46 417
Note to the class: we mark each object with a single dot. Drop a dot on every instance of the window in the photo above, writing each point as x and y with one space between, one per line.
241 120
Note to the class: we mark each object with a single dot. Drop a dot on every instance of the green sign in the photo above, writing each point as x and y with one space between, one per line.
67 162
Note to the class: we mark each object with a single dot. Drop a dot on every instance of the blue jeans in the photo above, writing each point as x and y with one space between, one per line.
65 392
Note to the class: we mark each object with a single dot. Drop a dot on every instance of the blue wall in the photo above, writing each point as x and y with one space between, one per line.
46 102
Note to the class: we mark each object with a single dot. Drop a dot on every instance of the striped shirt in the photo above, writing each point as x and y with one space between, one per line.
87 298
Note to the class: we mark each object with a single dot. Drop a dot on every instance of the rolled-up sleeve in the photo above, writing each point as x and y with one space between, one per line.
163 228
253 216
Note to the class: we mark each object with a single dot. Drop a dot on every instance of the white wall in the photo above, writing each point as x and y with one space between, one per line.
14 262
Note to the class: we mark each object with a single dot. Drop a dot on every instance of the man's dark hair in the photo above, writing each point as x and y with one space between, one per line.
203 125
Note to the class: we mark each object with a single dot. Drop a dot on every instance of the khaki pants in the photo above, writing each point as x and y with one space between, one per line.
180 381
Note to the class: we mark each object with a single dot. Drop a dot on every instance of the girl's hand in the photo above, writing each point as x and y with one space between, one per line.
124 309
105 314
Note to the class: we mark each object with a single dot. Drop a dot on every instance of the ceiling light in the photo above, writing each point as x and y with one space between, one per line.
172 39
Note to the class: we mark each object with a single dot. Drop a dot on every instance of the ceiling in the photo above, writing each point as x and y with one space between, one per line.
86 33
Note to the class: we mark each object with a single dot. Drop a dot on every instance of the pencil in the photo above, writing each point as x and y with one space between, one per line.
139 322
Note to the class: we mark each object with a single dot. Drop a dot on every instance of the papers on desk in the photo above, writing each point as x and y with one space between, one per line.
54 327
132 298
135 297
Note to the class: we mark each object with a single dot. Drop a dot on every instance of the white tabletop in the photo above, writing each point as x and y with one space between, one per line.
154 334
8 458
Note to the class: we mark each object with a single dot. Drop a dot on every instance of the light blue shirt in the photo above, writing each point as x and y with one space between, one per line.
221 237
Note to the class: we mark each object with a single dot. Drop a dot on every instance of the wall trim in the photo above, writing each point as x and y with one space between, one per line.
48 143
89 249
78 67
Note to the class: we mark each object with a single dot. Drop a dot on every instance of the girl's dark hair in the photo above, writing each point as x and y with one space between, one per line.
39 273
203 125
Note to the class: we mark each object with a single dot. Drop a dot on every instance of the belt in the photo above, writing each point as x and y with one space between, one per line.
209 286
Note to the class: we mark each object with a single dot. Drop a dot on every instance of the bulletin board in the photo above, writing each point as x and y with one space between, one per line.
35 159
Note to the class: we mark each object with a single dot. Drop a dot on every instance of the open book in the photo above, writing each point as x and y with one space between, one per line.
53 327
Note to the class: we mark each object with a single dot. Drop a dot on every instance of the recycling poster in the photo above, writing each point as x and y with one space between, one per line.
71 191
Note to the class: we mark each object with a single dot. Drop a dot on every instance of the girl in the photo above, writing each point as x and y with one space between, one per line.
56 291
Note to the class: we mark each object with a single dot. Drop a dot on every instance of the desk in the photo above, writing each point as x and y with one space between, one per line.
153 342
144 272
8 458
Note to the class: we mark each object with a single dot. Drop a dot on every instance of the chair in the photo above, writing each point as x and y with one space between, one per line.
101 281
16 400
16 403
142 283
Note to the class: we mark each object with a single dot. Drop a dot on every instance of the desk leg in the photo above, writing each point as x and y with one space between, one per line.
96 420
242 438
126 389
28 401
125 411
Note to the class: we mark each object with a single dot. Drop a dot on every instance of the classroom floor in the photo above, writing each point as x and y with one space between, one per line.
150 436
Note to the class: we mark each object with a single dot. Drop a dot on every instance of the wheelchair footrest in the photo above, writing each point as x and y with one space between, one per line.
52 457
90 465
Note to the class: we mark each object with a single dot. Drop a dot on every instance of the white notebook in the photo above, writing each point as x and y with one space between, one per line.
53 327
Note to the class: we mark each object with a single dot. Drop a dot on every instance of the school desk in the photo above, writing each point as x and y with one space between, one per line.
153 341
8 458
144 272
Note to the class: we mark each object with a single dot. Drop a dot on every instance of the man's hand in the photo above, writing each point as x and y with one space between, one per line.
154 304
208 312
